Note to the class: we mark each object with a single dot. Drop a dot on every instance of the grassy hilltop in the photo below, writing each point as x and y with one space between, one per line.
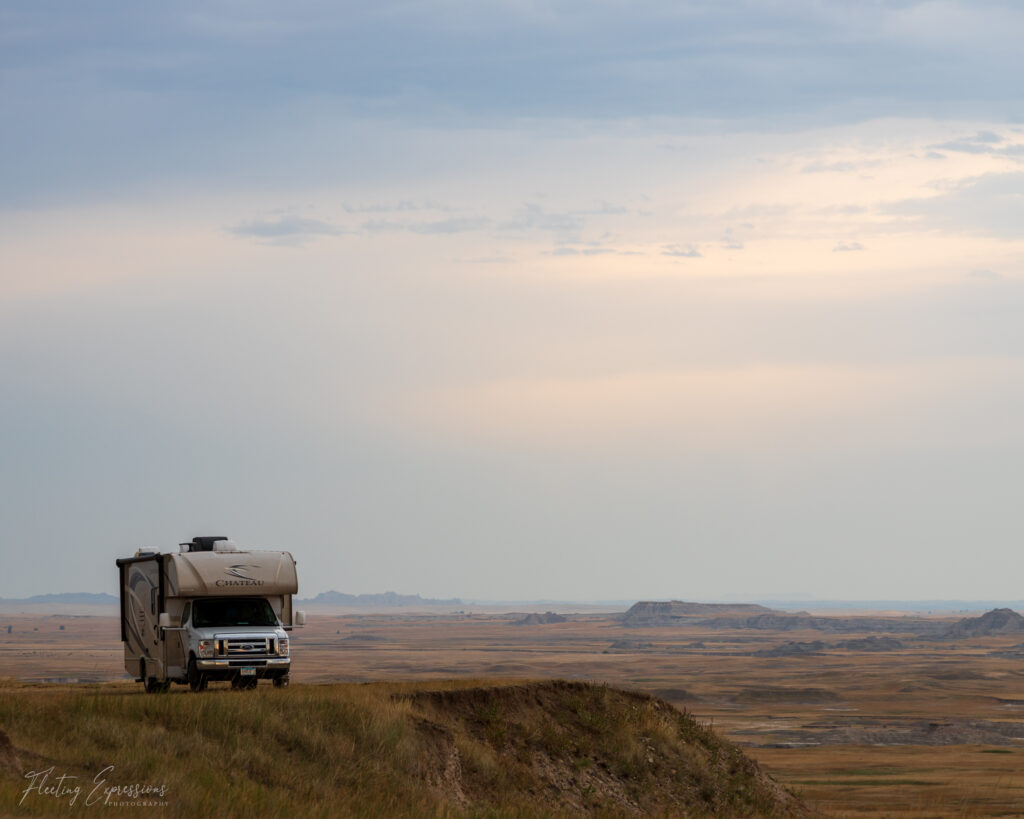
449 749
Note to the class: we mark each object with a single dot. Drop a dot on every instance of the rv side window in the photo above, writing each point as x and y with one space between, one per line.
152 601
185 614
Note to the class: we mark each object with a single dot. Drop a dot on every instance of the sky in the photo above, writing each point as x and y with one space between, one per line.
517 300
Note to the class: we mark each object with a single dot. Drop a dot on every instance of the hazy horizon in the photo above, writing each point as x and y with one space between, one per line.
524 300
786 602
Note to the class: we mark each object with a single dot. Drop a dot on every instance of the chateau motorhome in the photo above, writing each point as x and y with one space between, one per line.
211 611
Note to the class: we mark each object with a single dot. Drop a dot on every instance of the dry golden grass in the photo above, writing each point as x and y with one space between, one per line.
903 781
543 749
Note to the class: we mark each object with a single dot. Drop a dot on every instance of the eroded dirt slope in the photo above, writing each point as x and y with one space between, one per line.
580 748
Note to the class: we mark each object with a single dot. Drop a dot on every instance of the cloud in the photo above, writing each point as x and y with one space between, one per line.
846 247
990 205
190 95
383 226
437 227
285 229
604 209
534 217
731 242
530 217
687 251
964 146
983 142
449 226
988 136
402 206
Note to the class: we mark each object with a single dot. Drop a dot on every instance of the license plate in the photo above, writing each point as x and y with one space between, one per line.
247 671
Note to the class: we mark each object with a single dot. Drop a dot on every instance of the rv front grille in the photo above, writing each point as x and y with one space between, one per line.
246 647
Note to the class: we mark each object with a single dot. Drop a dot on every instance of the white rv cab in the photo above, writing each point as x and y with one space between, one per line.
211 611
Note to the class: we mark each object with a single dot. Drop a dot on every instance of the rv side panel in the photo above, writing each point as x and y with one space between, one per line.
141 602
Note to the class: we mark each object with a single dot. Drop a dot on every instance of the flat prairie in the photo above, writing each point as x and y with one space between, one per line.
891 720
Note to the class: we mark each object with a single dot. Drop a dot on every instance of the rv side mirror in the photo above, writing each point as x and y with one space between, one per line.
165 620
300 618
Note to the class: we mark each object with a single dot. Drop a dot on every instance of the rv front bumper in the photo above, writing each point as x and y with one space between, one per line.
265 663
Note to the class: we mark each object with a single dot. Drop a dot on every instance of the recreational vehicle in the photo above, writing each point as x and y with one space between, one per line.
210 611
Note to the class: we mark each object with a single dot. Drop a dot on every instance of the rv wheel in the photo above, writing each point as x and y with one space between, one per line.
147 682
282 681
196 679
152 684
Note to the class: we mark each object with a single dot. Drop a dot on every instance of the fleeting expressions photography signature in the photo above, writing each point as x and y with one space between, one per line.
96 792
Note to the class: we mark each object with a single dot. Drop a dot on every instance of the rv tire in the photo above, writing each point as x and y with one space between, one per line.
152 684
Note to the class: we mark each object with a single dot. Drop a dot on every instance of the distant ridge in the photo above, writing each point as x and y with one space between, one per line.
76 598
535 619
667 613
385 600
997 621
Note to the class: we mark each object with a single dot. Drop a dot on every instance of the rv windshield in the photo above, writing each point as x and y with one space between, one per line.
233 611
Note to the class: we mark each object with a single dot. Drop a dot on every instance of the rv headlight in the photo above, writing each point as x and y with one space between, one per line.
206 648
282 646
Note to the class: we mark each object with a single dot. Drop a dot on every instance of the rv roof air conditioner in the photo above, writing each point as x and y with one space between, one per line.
209 543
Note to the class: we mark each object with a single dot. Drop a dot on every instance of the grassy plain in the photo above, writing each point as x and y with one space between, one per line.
935 728
551 748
